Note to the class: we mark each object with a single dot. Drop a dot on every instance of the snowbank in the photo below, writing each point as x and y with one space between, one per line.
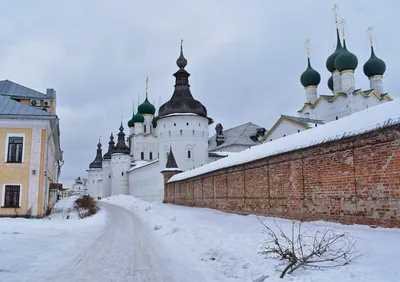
224 247
33 249
66 204
357 123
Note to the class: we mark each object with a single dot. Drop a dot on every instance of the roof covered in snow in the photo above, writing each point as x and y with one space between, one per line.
363 121
304 121
239 135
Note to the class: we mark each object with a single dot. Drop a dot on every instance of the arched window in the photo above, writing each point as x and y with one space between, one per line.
151 155
181 132
187 124
174 124
122 173
144 128
169 134
142 155
189 151
337 117
193 132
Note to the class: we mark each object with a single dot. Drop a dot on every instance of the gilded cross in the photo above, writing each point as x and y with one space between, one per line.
181 43
369 30
147 84
307 44
335 12
342 22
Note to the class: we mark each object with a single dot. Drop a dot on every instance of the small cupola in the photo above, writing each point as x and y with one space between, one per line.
219 136
310 77
346 60
330 83
374 65
98 161
330 62
138 118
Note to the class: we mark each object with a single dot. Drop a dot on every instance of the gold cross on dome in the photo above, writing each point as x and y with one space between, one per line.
307 44
181 43
335 12
147 84
369 30
342 22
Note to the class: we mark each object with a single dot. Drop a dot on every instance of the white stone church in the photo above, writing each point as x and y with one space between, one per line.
180 131
345 99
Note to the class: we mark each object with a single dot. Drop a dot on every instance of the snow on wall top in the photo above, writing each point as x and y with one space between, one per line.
372 118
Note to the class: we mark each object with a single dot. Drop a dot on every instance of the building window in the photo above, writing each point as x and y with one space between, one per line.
142 155
122 173
144 128
181 132
337 117
189 154
298 130
174 124
284 135
270 139
316 125
169 134
151 128
15 149
187 124
193 132
151 155
11 196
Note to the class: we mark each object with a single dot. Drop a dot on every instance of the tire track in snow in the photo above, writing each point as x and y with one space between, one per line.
125 251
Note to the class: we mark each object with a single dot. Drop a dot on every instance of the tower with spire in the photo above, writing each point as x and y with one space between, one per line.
374 68
95 173
183 124
143 137
120 164
310 79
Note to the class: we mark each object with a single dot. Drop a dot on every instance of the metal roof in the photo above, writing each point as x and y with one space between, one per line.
11 107
304 121
239 135
13 89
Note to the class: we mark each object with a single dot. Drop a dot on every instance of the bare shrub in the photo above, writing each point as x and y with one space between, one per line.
28 213
304 248
48 210
86 206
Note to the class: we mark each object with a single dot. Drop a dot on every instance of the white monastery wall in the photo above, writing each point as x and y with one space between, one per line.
146 182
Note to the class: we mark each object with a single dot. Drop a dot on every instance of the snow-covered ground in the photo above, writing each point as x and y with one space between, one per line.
133 240
224 247
32 249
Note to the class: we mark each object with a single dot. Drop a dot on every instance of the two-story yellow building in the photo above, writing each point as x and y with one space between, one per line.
30 154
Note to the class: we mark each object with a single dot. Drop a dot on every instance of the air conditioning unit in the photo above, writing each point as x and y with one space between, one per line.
46 103
35 103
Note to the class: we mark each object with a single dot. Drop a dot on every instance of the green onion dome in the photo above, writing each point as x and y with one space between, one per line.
131 122
146 108
374 66
154 121
310 76
346 60
330 62
330 83
138 117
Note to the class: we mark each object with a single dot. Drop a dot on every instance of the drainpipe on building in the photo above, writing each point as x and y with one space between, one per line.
46 183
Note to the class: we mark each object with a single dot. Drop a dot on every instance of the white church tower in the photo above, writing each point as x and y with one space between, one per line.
95 174
120 164
183 124
143 138
107 173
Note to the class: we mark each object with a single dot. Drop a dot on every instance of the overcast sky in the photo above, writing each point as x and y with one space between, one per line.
245 57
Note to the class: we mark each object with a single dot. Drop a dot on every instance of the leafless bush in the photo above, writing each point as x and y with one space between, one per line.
304 248
86 206
48 210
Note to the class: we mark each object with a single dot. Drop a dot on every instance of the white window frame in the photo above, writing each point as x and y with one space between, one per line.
4 194
8 135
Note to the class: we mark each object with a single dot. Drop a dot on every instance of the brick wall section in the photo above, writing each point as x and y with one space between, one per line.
353 180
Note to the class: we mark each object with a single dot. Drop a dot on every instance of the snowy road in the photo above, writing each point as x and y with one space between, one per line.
124 251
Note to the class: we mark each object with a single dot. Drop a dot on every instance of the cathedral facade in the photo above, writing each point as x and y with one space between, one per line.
179 131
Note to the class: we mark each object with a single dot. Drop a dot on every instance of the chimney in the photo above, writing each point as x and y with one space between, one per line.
220 138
